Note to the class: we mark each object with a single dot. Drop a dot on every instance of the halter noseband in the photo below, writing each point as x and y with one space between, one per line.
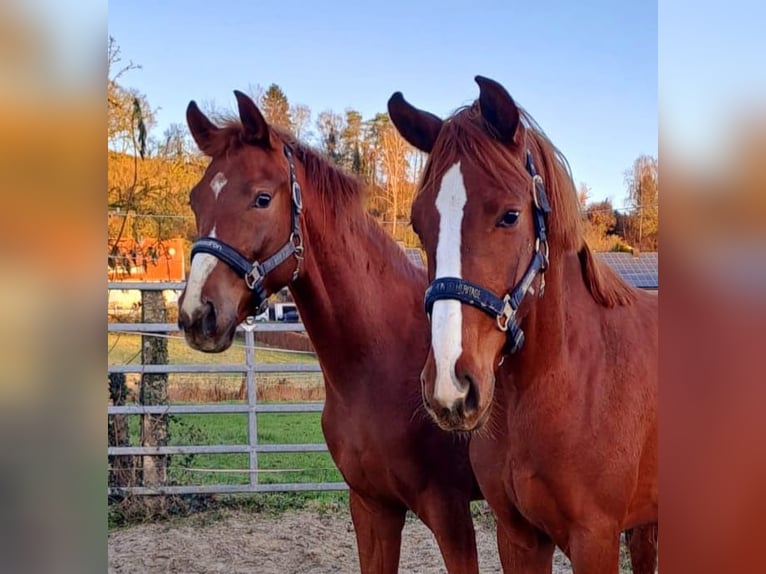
503 310
254 273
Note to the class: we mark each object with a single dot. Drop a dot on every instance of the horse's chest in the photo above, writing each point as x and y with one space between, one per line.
535 499
363 452
510 477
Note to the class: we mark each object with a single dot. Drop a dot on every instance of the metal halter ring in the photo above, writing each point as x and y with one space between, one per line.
298 254
506 314
298 245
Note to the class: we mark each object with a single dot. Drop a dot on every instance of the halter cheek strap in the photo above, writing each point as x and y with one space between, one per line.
503 310
255 272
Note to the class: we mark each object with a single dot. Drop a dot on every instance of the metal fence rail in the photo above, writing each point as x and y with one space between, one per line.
231 368
249 368
230 488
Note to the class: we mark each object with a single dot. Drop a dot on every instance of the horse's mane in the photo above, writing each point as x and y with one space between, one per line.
466 134
337 187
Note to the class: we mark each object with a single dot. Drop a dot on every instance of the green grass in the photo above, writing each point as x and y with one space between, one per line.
273 428
201 429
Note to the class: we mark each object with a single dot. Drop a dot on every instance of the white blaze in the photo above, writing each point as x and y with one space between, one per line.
447 316
202 266
217 183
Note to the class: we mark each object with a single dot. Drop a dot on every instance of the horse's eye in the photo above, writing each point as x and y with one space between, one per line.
508 219
262 200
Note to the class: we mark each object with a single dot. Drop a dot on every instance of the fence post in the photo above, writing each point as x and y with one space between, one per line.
252 399
154 389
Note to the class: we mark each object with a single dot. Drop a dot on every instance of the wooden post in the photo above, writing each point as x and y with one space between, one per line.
154 389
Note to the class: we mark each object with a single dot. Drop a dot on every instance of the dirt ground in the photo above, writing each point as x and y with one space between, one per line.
292 542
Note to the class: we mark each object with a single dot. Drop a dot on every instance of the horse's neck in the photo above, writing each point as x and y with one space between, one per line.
360 302
545 325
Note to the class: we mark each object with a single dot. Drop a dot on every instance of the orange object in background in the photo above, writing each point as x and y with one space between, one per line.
147 260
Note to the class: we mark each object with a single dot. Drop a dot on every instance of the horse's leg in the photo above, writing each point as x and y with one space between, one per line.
448 516
595 550
378 530
522 547
642 544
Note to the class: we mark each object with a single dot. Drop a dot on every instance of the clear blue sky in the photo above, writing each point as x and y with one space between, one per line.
713 73
587 71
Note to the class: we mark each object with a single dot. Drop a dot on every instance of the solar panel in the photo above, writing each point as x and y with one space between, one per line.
641 271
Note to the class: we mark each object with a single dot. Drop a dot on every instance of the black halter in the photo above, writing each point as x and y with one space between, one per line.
255 272
503 310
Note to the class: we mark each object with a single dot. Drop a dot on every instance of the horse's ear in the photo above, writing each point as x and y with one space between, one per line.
498 109
418 127
254 125
201 128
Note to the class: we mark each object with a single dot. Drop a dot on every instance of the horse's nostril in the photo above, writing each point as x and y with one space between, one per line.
472 398
184 321
464 379
208 320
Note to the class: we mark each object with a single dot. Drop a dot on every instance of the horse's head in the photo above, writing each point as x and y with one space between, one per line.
247 208
478 214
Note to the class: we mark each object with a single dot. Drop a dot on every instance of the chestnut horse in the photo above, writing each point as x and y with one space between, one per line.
539 350
269 199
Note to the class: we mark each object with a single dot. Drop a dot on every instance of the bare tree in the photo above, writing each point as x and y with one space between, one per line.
394 166
583 195
643 195
301 115
329 127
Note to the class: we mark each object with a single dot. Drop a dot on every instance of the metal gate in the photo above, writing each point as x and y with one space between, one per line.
250 368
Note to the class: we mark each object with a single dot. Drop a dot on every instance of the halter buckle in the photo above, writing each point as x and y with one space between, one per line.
297 197
537 180
545 254
253 276
505 317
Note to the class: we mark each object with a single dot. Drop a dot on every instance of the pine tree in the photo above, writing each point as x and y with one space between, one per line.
276 108
350 142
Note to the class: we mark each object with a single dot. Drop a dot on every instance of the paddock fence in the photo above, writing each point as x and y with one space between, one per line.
151 414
